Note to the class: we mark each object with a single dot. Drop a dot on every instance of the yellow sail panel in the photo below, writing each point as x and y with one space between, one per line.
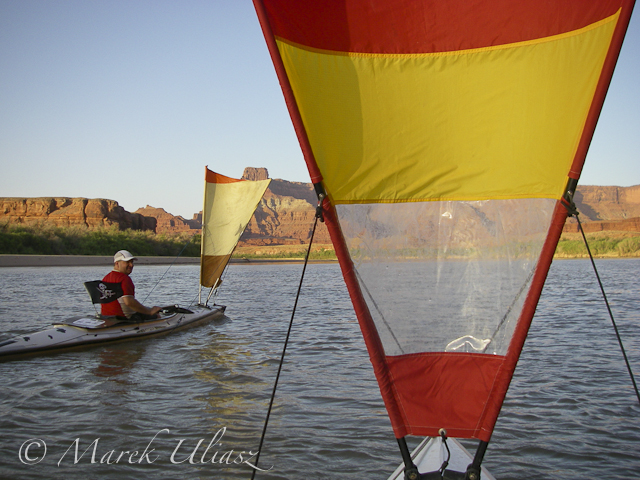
448 126
228 207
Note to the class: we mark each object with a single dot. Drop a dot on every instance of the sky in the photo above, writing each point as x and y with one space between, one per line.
130 99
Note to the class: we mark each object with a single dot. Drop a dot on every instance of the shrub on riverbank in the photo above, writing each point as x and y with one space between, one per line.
601 244
42 239
269 253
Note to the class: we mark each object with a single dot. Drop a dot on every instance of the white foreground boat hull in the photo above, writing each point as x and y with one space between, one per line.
431 453
91 330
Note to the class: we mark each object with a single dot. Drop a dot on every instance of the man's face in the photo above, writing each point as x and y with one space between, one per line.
124 267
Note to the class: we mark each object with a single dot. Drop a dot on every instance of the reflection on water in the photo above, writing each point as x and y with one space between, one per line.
116 362
570 411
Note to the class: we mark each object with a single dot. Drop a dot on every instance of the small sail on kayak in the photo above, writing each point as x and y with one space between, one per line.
229 204
227 210
445 137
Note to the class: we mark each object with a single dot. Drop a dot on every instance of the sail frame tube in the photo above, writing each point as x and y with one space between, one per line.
289 97
559 217
505 373
600 94
367 325
369 332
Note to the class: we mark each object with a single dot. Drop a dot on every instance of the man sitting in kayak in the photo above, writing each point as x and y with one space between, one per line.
126 305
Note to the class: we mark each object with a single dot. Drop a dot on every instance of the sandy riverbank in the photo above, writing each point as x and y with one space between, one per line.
91 261
83 260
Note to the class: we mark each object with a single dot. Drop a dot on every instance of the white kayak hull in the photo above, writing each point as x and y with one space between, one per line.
92 330
431 453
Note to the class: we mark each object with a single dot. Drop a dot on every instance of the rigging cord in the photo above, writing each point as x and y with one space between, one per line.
445 464
286 341
384 320
167 270
573 212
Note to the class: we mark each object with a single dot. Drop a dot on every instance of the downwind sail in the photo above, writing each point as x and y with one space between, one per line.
229 204
445 136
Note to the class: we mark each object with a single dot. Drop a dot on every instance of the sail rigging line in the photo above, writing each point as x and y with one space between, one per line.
573 211
506 315
375 304
318 216
169 267
445 464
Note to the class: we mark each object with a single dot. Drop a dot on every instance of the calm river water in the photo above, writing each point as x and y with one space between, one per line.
571 412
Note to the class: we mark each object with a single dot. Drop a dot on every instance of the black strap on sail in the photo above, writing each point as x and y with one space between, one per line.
567 201
103 292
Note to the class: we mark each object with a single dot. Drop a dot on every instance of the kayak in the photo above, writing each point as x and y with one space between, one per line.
90 330
430 455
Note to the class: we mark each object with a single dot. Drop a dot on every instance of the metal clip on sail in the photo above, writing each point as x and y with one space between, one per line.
321 196
567 198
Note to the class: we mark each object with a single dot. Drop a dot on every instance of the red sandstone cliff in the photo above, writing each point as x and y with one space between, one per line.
285 214
65 212
606 208
167 223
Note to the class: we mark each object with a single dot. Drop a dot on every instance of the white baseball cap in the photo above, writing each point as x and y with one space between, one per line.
123 256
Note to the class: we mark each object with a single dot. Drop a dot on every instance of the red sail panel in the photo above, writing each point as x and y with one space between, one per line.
456 400
383 26
444 134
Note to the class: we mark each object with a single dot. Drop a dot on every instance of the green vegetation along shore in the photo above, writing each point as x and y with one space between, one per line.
605 244
42 239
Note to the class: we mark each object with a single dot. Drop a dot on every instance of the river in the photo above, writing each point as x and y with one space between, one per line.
192 404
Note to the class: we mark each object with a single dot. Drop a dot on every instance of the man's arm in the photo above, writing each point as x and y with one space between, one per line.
136 306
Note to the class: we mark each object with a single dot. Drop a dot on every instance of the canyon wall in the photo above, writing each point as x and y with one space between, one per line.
606 209
285 214
67 212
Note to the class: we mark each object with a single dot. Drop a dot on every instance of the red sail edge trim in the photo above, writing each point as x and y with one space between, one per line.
505 374
213 177
367 326
603 86
407 26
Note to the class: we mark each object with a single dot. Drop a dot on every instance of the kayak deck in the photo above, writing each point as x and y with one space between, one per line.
91 330
431 453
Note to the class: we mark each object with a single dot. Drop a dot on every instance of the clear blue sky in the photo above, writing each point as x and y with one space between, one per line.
129 100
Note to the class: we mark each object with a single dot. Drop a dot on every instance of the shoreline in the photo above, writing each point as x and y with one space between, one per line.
99 261
8 261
